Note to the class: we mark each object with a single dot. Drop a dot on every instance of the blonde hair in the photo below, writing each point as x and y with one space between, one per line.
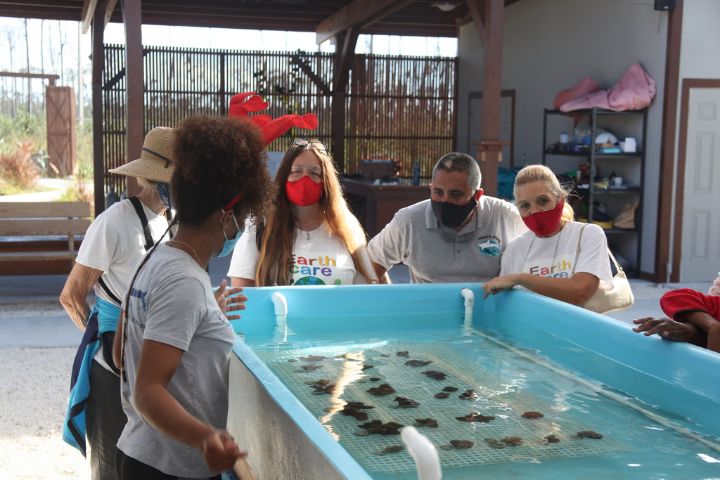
541 173
278 238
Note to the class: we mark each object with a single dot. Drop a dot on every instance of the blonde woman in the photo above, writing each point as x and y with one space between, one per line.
311 238
558 257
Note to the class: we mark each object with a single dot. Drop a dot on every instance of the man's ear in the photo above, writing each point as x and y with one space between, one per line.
479 193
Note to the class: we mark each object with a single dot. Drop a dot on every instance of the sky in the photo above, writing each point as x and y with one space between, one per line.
46 39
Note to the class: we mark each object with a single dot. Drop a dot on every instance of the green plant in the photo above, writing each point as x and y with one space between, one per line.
18 167
22 128
85 142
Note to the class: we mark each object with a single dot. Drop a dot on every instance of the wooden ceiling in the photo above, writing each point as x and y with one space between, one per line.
418 17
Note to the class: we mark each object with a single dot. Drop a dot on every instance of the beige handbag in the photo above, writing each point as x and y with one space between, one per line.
619 297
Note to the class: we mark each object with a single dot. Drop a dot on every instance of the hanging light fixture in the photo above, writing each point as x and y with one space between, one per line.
444 5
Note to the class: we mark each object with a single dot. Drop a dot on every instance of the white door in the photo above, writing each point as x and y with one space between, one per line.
700 252
506 126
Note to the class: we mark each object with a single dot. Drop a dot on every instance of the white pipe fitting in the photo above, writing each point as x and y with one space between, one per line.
469 302
427 460
281 311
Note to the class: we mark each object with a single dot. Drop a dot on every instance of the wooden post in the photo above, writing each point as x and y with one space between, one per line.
98 63
490 30
344 51
663 254
135 110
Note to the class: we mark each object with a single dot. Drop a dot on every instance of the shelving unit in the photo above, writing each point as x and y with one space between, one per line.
630 166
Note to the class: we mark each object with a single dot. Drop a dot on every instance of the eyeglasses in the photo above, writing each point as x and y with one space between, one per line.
301 142
297 172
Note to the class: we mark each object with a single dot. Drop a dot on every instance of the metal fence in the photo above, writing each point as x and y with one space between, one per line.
400 108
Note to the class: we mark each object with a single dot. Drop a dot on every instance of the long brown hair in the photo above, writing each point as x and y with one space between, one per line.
275 260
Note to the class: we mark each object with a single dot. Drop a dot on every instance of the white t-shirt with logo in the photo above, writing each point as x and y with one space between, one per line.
319 258
556 256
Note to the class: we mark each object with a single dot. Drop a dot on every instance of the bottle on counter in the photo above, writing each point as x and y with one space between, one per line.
416 173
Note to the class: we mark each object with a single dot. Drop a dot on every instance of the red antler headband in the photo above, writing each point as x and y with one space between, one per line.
244 103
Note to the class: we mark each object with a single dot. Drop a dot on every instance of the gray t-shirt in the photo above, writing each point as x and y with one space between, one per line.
438 254
172 302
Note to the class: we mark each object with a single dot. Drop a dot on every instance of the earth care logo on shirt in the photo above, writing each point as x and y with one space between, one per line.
317 270
489 245
544 268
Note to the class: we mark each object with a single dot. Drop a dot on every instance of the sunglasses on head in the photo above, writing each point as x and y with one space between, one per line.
301 142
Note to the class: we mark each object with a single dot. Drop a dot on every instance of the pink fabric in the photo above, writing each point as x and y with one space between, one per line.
634 91
584 87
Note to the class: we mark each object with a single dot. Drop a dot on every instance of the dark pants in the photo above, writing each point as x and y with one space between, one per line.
131 469
105 420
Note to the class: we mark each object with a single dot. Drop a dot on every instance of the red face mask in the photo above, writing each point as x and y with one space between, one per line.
545 223
303 192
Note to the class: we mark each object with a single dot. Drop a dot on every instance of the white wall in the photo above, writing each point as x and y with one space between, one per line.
699 56
550 45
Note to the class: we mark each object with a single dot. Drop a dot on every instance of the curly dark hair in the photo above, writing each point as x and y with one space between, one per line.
216 159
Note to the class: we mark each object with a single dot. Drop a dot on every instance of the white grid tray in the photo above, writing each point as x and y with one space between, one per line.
496 397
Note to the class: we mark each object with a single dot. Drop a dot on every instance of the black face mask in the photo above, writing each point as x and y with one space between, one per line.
452 215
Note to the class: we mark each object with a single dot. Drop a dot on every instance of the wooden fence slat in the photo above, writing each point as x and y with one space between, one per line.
44 227
397 107
44 209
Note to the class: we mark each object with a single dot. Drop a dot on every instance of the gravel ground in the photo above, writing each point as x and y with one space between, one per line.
34 396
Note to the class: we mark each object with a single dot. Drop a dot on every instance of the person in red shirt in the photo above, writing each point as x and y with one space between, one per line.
693 317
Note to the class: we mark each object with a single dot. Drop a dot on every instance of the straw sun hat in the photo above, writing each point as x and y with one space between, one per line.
155 162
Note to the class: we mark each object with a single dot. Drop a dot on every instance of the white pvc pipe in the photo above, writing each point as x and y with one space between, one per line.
469 298
281 312
427 461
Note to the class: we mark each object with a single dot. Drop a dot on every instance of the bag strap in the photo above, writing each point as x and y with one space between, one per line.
109 292
169 218
149 242
577 249
615 262
610 254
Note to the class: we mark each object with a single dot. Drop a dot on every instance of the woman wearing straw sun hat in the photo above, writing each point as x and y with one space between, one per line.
113 246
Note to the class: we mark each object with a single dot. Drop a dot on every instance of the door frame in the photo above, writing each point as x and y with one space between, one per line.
687 85
504 93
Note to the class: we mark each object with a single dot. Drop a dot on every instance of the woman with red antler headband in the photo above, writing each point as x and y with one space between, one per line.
311 238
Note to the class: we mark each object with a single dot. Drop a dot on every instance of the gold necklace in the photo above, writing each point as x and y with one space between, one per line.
192 250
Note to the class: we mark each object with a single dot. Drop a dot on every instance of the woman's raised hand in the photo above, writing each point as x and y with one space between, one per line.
228 301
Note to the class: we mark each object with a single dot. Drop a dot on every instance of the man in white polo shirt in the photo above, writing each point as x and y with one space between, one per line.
458 235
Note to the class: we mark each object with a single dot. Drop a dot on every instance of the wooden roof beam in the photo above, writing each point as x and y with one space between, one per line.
477 13
88 12
359 13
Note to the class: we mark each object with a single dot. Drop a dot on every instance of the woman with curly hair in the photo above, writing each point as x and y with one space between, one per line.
174 344
311 238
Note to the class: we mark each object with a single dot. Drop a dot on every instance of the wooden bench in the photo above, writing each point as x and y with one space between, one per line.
44 223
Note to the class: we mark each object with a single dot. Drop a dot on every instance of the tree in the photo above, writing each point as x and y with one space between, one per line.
27 69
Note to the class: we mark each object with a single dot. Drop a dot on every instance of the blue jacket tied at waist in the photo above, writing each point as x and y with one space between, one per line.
103 318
